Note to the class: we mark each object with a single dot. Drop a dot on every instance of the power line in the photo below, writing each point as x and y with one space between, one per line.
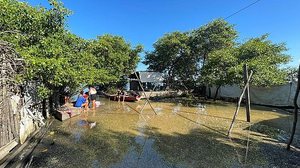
242 9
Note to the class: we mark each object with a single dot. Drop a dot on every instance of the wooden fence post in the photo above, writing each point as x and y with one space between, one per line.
247 93
239 103
139 80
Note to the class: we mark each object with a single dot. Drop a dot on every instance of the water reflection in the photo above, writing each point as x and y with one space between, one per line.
131 135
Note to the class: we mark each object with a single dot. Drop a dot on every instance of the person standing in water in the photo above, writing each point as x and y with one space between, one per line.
93 96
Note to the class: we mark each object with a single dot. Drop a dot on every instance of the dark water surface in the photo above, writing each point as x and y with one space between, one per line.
119 135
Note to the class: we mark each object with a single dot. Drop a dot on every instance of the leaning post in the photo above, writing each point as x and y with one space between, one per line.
139 80
239 104
247 93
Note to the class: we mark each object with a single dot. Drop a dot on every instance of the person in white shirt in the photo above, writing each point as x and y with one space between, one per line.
93 95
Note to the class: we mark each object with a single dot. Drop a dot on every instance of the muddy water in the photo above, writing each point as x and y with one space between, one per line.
132 135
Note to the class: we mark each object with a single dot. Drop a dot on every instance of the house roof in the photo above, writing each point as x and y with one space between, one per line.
155 77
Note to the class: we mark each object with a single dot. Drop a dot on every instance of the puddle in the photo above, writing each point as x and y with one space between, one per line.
131 135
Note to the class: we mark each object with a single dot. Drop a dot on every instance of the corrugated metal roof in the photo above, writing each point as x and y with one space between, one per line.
155 77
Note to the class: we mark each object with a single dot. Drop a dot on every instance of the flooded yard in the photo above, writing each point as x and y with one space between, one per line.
120 135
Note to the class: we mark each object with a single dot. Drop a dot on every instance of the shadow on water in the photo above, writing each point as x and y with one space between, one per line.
177 137
212 129
196 149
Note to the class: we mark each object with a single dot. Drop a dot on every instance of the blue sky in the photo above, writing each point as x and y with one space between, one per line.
143 22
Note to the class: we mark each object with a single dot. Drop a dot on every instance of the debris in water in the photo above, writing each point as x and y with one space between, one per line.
177 108
93 124
201 109
158 109
45 150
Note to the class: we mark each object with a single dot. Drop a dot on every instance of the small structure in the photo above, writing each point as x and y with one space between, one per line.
149 81
67 112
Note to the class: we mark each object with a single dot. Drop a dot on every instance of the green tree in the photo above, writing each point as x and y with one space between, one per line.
61 60
220 68
31 23
172 56
215 35
57 58
182 55
263 57
266 59
31 29
115 55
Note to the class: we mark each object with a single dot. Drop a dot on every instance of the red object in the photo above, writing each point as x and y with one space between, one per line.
70 113
85 96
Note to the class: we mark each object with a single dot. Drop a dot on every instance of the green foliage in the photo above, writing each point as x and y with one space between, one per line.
32 23
57 58
115 55
183 55
262 56
216 35
43 92
60 60
265 58
220 68
172 56
210 55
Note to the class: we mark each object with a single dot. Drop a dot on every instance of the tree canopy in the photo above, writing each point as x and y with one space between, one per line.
57 58
215 35
211 55
266 59
172 56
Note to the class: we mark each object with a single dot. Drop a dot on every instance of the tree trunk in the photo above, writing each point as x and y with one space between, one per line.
56 102
44 110
203 91
51 104
209 92
217 91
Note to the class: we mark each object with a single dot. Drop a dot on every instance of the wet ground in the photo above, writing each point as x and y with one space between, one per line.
120 135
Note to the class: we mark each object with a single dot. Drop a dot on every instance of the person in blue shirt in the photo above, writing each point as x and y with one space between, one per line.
81 101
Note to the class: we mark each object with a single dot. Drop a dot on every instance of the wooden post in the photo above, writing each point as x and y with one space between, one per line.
3 111
295 111
147 102
239 104
247 93
139 80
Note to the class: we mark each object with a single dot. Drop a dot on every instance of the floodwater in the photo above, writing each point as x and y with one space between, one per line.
131 135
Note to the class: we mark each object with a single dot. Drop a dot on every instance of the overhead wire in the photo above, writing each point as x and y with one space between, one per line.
240 10
248 132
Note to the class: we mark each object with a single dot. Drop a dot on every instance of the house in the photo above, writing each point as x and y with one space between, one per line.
149 81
